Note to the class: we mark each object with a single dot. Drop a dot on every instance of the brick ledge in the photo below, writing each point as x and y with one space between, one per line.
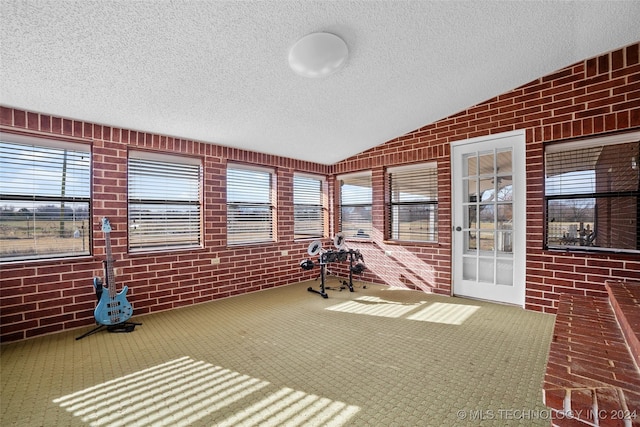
591 375
625 301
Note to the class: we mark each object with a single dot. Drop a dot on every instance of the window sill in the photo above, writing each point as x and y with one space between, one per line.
592 250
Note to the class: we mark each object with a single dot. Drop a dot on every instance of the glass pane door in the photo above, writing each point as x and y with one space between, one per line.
488 203
488 224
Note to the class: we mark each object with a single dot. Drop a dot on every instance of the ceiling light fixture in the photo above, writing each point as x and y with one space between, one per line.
318 55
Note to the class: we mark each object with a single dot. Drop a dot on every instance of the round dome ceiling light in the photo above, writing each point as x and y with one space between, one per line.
318 55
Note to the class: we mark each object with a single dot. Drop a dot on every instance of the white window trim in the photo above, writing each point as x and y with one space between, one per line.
583 143
36 140
351 175
273 199
176 159
324 196
621 138
233 165
311 175
407 168
415 166
161 157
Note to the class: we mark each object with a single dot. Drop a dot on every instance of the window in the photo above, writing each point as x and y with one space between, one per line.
308 206
164 202
249 205
355 205
592 194
413 203
44 198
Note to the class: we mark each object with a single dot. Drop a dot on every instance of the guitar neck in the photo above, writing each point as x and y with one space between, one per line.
111 278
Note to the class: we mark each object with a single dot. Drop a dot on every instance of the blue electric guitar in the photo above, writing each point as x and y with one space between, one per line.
113 308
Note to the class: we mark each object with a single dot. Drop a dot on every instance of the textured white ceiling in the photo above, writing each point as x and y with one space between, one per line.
218 72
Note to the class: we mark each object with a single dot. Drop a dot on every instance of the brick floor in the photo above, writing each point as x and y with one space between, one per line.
592 376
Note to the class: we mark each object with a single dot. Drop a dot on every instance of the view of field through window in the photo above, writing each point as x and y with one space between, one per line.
44 200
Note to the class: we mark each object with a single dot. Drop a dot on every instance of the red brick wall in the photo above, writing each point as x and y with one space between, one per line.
39 297
596 96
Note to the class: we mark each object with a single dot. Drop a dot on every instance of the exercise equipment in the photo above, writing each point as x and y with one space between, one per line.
325 257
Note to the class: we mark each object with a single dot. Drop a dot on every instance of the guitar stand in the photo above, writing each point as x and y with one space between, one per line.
119 328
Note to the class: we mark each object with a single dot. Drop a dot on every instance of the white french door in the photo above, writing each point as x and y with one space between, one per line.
489 217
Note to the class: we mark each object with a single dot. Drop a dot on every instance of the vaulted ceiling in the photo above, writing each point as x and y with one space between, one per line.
217 71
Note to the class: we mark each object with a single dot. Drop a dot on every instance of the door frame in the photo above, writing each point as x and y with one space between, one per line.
519 214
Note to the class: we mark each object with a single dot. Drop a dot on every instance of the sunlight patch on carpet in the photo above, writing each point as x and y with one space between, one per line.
183 391
450 314
375 306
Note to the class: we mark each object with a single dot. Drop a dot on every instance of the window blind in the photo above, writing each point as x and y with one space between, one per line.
413 203
308 206
592 196
249 205
164 204
355 205
44 198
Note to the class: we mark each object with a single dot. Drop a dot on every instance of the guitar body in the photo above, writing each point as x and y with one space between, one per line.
111 311
97 285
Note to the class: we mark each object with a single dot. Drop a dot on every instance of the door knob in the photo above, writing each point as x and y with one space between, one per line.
458 228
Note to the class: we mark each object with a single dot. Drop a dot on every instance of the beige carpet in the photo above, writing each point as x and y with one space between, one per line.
285 356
